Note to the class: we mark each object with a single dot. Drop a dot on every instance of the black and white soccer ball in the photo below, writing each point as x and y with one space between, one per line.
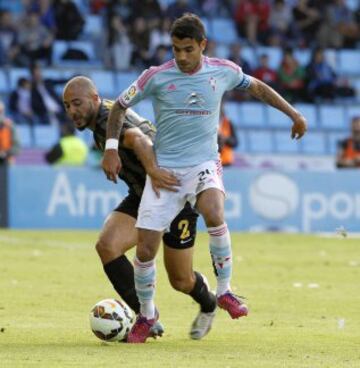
111 320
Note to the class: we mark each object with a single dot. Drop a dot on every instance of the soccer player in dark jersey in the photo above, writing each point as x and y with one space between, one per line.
85 108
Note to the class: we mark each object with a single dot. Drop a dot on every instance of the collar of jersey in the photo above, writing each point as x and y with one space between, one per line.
194 71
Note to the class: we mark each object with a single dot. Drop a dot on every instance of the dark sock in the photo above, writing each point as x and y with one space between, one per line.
201 294
121 274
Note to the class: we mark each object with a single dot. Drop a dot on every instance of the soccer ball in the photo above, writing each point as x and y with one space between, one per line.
111 320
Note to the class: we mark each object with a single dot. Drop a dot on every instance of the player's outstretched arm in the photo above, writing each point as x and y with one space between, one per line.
263 92
111 163
142 145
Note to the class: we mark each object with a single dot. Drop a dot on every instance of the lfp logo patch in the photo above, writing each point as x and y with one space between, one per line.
131 92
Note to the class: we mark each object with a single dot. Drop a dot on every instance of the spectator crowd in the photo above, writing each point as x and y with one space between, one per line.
135 35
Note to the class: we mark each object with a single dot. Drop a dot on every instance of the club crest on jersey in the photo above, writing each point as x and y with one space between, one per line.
130 93
195 100
212 82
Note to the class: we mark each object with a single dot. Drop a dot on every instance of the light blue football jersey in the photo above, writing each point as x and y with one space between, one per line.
187 107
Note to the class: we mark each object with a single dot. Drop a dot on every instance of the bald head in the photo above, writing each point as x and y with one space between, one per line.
82 84
81 101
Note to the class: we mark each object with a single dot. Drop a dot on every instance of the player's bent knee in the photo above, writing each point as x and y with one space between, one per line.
106 248
184 285
213 219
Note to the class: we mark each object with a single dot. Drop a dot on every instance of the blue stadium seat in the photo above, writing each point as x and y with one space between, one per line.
50 73
104 80
260 141
277 119
232 112
222 51
356 84
93 26
333 139
351 112
24 135
87 47
310 113
124 80
274 54
242 146
223 30
284 143
145 109
303 56
4 88
46 136
15 74
332 117
352 4
249 55
208 28
349 61
314 143
252 114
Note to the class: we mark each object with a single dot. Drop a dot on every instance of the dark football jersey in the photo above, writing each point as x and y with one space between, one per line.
132 171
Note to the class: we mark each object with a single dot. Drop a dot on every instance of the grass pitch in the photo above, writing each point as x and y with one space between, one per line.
303 293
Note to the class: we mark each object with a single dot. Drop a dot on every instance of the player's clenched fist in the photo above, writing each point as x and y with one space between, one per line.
111 164
299 127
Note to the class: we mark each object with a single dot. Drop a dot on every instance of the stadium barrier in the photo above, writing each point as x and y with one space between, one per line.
257 200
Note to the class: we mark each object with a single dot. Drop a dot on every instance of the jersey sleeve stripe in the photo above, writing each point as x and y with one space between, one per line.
222 62
152 71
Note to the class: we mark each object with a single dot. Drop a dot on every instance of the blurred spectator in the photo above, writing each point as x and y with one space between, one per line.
119 46
307 22
323 83
236 57
210 50
20 103
340 28
150 10
123 8
348 155
321 77
291 76
178 8
227 139
70 150
45 9
161 56
140 39
8 37
69 21
9 144
44 100
160 36
252 20
279 22
215 8
265 73
34 41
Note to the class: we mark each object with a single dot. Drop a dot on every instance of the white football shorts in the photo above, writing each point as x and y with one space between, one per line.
157 213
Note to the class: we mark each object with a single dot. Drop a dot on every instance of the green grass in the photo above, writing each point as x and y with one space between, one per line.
50 280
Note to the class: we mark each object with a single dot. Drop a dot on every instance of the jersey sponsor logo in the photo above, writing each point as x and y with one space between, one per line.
195 100
130 93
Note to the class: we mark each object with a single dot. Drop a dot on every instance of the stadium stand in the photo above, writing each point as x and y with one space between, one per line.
261 129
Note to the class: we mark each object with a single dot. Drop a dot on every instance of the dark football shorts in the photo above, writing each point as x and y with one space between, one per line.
182 232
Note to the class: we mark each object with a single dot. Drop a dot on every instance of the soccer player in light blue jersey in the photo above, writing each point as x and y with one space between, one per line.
186 93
